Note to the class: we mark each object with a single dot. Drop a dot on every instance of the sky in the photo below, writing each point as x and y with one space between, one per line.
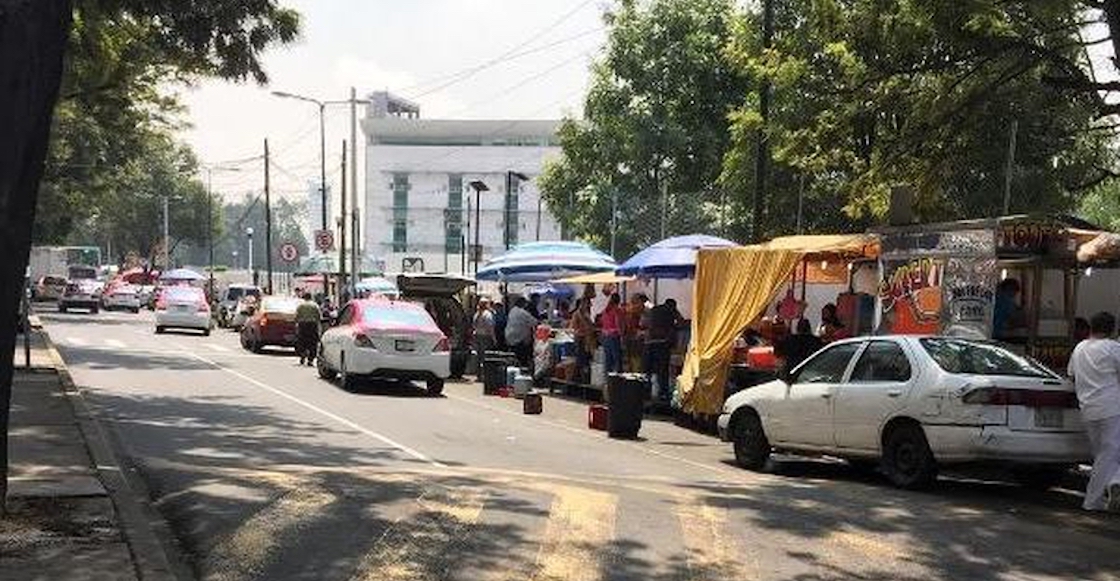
467 59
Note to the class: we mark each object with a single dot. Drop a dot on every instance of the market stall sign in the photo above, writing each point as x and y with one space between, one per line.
1033 237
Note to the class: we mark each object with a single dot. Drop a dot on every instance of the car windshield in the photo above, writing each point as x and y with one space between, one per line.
396 317
234 293
280 305
979 358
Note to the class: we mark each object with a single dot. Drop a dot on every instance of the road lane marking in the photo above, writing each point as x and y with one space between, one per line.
245 553
417 546
76 341
580 526
115 343
711 553
218 348
327 414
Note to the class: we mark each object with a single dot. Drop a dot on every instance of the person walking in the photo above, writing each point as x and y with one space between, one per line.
519 332
610 329
1094 366
484 339
307 329
661 337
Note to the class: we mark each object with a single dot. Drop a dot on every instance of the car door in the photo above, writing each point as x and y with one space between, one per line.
335 338
877 387
804 415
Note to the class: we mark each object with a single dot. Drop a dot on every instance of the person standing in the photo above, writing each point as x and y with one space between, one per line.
610 329
519 332
583 330
483 333
664 319
500 318
798 347
1094 366
832 328
307 330
634 311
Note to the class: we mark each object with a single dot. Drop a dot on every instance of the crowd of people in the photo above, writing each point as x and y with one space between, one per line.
635 336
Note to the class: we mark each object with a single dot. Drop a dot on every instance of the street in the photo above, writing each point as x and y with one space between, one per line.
264 471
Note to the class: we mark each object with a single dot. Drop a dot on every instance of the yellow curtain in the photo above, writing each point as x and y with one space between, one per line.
733 286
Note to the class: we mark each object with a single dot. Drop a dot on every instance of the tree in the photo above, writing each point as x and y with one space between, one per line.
187 38
655 117
287 220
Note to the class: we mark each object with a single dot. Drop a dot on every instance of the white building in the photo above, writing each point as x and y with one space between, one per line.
419 203
315 210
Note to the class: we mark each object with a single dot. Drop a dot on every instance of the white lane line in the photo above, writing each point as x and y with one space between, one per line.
115 343
218 348
327 414
76 341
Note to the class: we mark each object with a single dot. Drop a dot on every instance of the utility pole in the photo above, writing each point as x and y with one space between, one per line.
614 220
342 232
762 153
166 237
356 246
210 230
267 220
1010 169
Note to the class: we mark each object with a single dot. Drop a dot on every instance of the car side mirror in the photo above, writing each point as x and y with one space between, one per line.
784 375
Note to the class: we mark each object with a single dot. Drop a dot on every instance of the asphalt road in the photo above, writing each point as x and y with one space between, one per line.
265 472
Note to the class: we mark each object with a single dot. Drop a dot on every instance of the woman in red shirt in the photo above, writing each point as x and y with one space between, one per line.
610 329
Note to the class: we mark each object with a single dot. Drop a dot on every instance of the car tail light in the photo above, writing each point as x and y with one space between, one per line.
363 341
264 320
1034 398
203 306
443 345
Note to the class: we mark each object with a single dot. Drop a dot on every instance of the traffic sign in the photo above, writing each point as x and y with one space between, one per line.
289 252
324 240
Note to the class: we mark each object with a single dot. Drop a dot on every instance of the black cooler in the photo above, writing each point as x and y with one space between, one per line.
626 395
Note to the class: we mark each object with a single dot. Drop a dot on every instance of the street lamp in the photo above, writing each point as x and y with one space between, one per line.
322 149
249 233
235 263
511 198
476 252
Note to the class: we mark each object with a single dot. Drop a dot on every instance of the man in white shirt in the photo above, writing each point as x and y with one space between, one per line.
1095 369
519 331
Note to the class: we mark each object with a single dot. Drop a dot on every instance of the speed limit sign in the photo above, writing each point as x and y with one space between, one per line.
289 252
324 240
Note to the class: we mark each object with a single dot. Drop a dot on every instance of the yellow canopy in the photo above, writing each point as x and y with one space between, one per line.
732 288
595 278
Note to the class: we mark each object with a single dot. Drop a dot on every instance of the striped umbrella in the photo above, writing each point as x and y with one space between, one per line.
545 261
671 258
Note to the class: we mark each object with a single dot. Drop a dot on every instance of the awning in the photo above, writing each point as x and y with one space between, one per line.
596 278
732 288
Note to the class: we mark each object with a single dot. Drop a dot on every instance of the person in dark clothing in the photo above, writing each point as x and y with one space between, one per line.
798 347
500 317
661 337
307 330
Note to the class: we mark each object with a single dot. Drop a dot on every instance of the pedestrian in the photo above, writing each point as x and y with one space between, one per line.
610 329
307 330
1094 366
661 337
483 333
583 331
519 331
832 328
500 318
797 347
632 329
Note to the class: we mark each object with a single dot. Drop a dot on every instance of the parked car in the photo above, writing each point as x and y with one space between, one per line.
440 295
82 294
273 324
147 294
382 338
121 296
241 313
914 404
182 307
49 288
228 305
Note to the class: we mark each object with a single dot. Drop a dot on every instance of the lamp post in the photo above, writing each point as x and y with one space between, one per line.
249 233
322 150
235 263
479 187
511 198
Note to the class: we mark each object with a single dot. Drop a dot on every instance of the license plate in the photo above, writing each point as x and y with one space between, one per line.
182 308
405 345
1048 418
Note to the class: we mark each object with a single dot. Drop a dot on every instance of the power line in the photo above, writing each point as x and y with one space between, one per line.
509 89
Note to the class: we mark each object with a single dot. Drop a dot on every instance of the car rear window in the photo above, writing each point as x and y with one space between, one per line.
279 305
183 293
396 317
979 358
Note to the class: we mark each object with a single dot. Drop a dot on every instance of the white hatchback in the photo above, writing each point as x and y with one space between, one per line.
183 307
914 404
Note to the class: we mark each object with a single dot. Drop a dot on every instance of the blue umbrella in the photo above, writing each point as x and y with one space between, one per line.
545 261
671 258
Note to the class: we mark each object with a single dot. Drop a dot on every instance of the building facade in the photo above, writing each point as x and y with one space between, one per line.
419 210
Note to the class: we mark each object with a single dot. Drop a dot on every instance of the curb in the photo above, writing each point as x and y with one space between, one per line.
140 520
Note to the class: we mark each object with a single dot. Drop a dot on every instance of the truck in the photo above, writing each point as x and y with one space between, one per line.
71 262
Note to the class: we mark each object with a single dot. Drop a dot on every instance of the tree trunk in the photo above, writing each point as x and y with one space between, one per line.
33 37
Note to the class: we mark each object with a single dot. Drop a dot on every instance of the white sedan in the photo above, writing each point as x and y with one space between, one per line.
121 296
914 404
182 307
382 338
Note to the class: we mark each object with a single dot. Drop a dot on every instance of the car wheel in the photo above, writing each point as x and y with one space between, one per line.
159 330
435 386
325 372
256 347
135 310
907 459
1039 477
244 341
751 446
206 332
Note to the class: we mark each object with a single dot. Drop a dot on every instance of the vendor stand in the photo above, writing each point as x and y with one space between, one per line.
555 348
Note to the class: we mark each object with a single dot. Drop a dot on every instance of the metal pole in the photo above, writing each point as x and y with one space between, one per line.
614 220
166 237
476 251
342 230
210 226
762 150
355 252
267 220
539 200
251 254
323 165
1010 167
507 213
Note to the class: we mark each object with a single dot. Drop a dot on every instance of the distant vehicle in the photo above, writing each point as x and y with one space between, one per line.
273 324
81 272
147 295
381 338
914 404
182 307
245 308
82 294
121 296
49 288
57 261
227 306
441 295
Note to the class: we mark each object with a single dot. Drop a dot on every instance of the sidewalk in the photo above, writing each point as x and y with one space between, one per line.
71 514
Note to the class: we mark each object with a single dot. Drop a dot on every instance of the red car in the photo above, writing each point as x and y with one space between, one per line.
273 323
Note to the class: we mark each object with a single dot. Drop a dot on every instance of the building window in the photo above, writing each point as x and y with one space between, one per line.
453 216
512 219
400 236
